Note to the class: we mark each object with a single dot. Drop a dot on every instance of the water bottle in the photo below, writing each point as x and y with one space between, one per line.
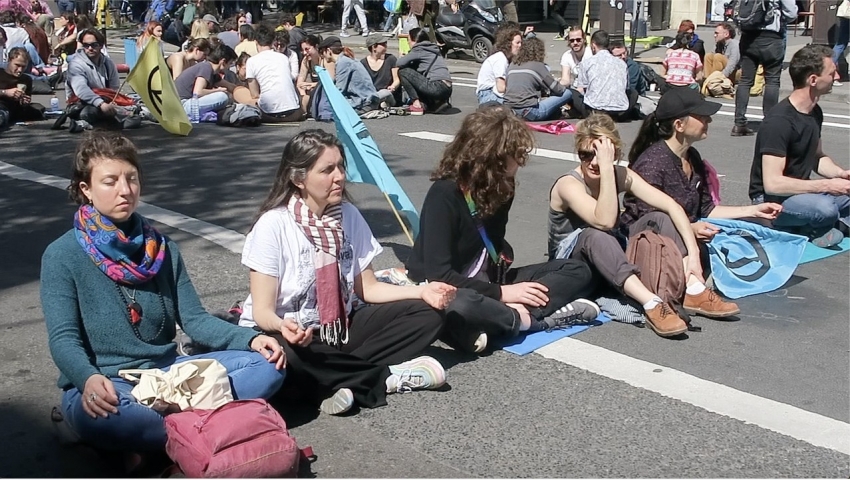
194 110
54 103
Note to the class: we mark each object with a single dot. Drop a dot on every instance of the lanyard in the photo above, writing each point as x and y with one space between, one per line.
473 210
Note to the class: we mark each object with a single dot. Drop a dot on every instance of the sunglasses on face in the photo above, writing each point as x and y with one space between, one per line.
92 45
575 40
586 156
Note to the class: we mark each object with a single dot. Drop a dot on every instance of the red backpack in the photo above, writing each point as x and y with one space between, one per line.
241 439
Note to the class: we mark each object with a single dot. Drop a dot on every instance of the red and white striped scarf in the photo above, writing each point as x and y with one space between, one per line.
326 235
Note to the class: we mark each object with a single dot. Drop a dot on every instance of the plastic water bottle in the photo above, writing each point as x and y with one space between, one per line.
194 110
54 103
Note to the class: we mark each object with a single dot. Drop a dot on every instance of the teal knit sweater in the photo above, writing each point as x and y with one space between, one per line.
88 325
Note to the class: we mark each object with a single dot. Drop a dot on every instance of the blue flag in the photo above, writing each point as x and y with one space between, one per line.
365 164
748 259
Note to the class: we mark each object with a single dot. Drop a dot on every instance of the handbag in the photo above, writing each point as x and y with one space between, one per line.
843 10
241 439
499 263
194 384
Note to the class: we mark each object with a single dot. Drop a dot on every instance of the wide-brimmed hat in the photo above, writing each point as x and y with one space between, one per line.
681 101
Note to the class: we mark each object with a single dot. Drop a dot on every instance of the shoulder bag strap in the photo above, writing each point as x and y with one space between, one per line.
491 250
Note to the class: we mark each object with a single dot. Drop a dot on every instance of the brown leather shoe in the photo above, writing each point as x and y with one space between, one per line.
664 321
709 304
742 131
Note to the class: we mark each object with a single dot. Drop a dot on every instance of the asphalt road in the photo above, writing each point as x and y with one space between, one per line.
765 395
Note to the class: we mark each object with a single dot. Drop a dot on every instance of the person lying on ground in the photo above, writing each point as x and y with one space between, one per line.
310 253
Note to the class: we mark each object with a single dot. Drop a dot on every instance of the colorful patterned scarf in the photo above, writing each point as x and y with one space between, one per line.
326 235
112 250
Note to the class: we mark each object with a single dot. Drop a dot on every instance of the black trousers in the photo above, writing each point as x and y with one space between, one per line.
378 336
583 110
472 313
418 87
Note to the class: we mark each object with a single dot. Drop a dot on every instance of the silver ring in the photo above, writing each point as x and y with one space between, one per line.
92 397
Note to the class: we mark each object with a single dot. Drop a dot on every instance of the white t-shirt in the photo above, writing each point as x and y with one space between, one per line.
568 60
272 72
278 247
495 66
294 67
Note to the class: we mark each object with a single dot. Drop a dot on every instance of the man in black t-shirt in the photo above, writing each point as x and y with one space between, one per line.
788 149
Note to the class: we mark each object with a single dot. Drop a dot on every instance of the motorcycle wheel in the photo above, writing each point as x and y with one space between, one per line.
481 48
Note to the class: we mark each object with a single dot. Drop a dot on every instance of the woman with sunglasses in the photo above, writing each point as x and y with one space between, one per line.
584 215
663 154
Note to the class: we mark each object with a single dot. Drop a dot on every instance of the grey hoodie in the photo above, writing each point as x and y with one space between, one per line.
83 75
422 56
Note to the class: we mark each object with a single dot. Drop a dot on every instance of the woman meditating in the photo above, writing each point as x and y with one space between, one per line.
462 240
310 256
584 213
113 291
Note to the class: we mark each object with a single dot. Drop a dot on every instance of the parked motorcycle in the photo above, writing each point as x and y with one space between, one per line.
472 27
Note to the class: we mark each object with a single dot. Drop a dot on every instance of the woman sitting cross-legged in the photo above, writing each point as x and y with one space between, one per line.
312 285
532 92
462 240
113 291
584 213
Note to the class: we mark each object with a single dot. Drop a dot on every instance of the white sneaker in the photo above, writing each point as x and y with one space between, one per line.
837 84
423 373
344 34
338 403
366 33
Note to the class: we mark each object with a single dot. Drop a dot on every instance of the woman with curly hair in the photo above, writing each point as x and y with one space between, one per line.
462 240
492 77
532 92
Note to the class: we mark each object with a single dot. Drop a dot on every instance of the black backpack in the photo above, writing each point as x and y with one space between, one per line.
754 15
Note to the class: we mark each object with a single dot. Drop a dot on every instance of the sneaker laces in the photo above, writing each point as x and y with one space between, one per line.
666 310
562 318
407 383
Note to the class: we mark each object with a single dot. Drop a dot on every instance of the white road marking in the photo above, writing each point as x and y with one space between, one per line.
717 398
229 239
539 152
779 417
756 107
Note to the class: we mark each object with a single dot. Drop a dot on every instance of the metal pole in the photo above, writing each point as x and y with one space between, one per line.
102 6
634 29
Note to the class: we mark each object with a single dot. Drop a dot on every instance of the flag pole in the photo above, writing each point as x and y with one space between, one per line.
398 217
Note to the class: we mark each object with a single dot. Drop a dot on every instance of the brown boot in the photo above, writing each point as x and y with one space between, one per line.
664 321
709 304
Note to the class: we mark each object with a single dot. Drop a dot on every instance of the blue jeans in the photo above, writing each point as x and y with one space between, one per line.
488 95
137 428
547 109
842 38
208 103
811 214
